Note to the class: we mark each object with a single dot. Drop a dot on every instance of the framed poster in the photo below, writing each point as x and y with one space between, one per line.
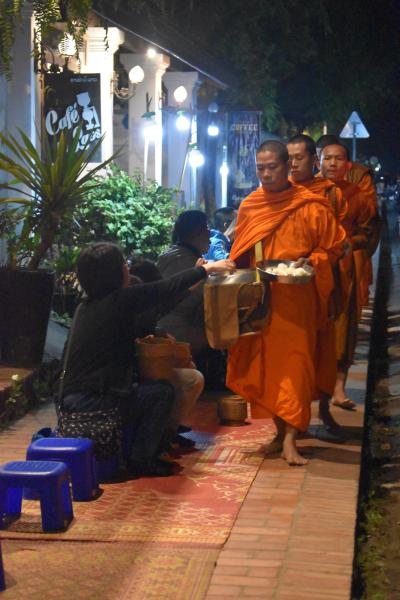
73 101
243 141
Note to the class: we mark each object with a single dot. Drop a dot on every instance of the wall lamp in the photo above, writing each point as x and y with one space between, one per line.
135 76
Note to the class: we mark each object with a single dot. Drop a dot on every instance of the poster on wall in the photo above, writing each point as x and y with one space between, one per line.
243 141
72 102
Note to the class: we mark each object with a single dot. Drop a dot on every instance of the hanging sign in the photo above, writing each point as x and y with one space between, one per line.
73 101
243 141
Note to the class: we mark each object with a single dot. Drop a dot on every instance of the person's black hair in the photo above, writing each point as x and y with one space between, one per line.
302 138
328 139
221 215
100 269
143 268
341 146
188 224
274 146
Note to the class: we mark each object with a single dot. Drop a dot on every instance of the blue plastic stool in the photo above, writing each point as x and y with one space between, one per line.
2 578
78 454
50 479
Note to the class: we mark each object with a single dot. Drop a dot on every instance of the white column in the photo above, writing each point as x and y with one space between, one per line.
154 69
20 98
98 57
177 141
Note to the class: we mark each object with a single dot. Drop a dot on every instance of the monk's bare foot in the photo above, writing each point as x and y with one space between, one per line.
276 445
290 452
292 456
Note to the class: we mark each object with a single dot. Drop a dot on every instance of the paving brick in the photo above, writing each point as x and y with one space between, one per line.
314 558
321 567
270 572
313 543
223 591
289 594
230 570
248 562
261 530
268 544
263 554
254 582
312 580
257 594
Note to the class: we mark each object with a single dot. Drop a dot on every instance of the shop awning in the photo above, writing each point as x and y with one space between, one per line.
164 37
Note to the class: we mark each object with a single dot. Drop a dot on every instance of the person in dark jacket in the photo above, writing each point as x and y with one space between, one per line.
190 240
101 355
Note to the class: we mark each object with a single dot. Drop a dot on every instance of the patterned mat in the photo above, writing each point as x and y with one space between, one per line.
197 506
86 571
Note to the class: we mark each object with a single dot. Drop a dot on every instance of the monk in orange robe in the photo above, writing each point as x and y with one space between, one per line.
302 161
275 370
334 161
360 175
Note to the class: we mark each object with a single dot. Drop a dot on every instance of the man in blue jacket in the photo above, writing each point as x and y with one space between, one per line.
220 243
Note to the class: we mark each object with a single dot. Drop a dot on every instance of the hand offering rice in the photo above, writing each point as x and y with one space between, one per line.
283 269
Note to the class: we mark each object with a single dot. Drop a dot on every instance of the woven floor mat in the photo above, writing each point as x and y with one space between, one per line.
197 506
97 571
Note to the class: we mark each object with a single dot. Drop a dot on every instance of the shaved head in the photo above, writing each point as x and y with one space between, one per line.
327 140
275 147
308 142
338 145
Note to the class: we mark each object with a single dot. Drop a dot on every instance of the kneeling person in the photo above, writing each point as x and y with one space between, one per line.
101 352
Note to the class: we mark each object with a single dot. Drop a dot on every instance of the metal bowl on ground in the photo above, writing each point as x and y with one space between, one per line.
265 269
232 410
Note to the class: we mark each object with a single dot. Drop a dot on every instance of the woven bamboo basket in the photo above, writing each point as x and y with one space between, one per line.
156 358
232 410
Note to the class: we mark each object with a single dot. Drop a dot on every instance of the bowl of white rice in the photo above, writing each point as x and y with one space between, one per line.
285 271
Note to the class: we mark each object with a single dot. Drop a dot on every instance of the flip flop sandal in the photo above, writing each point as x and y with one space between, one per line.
347 404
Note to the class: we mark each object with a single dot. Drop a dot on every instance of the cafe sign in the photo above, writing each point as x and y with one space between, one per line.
72 102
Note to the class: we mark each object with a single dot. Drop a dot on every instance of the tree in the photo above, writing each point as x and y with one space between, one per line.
73 12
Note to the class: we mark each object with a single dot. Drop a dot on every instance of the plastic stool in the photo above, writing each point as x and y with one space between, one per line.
78 454
50 479
2 578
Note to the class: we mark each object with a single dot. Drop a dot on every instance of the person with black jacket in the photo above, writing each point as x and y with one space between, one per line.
101 355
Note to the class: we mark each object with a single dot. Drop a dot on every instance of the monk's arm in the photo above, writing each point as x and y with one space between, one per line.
328 235
342 206
368 189
364 230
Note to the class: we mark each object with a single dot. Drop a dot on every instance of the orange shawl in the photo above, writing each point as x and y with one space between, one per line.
261 213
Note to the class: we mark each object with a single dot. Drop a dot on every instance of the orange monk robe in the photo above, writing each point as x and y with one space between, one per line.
359 227
326 355
361 176
275 370
325 187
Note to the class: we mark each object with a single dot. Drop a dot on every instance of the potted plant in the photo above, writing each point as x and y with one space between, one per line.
47 188
66 290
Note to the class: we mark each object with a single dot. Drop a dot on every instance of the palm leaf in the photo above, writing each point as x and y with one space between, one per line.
52 183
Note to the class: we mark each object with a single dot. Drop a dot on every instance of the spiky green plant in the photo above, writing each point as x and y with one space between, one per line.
49 186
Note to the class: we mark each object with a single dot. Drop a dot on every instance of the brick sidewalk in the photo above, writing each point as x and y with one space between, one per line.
294 535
